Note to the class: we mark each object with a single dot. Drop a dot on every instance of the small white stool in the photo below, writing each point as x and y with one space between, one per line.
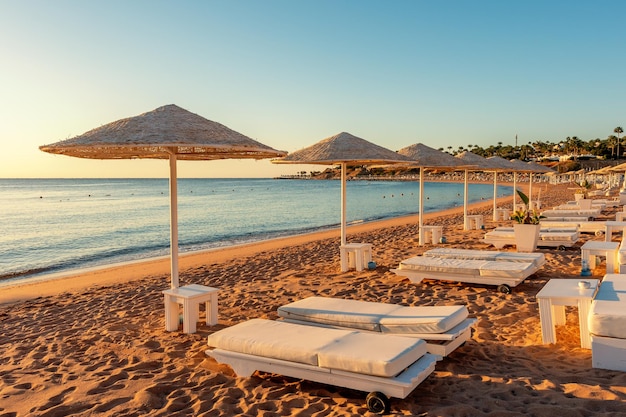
593 248
502 214
190 296
355 255
432 234
474 221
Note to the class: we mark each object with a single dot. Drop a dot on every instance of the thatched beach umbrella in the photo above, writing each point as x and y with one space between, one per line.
428 158
343 149
502 165
168 132
530 168
480 164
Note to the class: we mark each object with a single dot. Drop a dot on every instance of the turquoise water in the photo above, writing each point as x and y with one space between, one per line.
55 225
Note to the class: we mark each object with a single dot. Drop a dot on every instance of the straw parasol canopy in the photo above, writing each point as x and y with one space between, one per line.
343 148
158 134
429 158
168 132
492 164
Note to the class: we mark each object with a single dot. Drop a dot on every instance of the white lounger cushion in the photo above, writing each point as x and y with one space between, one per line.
378 317
536 258
467 266
608 309
345 350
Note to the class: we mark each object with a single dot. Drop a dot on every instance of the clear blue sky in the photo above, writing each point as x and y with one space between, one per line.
290 73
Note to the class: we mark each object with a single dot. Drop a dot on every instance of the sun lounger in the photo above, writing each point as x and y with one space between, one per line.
384 365
484 267
549 237
607 324
576 205
596 227
444 328
588 214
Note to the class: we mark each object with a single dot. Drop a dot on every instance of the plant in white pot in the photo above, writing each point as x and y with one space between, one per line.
527 227
583 189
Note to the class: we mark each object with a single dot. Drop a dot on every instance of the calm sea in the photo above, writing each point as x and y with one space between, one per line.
56 225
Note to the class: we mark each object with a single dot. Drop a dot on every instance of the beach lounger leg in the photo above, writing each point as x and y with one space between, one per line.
211 310
190 316
548 334
584 306
358 260
558 314
344 259
171 314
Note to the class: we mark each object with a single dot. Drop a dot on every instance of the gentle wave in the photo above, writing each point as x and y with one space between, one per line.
55 225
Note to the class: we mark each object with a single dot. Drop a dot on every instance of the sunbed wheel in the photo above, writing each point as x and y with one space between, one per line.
505 289
599 232
378 403
561 247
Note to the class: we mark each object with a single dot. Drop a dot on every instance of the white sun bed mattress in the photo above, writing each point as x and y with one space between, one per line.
478 268
607 316
591 213
502 236
536 258
344 350
393 365
375 317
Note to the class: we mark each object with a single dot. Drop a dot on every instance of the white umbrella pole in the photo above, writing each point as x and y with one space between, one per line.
514 191
174 220
495 194
530 191
343 203
465 188
421 208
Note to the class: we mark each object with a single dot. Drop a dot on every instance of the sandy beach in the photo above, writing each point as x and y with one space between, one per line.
95 343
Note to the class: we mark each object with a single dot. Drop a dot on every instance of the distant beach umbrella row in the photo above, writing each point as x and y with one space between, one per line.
172 133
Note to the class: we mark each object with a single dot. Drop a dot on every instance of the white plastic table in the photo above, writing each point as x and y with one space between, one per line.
432 234
610 226
553 298
502 214
355 255
190 296
593 248
474 221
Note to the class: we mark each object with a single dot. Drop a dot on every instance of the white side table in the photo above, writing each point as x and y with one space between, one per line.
502 214
190 296
474 221
432 234
553 298
593 248
355 255
611 226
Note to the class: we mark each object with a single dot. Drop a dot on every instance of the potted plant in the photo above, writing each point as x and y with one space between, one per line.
580 195
527 227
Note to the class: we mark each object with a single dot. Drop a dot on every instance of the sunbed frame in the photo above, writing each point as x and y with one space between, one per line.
476 271
399 386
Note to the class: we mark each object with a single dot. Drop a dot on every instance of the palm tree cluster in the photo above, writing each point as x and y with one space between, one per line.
610 148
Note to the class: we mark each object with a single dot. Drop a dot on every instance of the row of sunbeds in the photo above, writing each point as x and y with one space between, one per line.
386 349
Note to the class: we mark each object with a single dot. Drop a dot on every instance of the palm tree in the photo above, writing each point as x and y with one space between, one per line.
619 131
612 140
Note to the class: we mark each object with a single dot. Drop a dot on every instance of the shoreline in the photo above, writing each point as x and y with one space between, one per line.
110 274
